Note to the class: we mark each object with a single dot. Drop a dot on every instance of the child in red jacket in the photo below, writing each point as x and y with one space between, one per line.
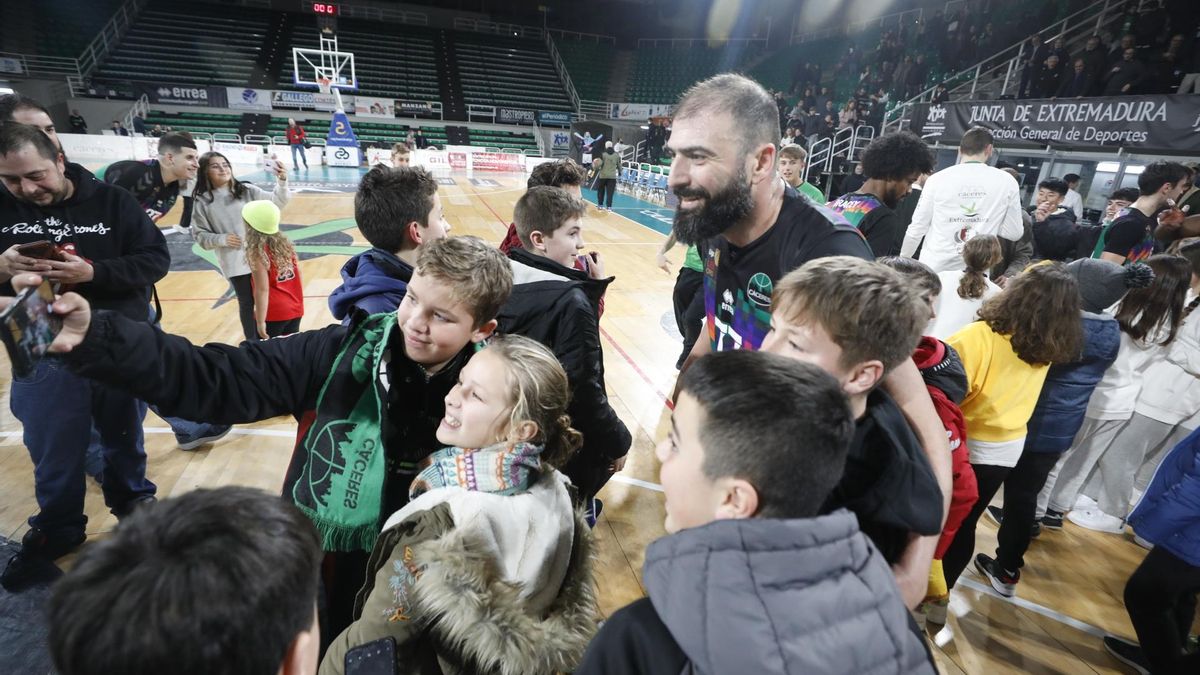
947 384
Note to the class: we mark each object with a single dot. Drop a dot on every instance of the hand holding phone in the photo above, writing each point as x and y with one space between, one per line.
13 261
74 313
28 327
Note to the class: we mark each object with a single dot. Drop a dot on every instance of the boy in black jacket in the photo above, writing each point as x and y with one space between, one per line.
112 254
368 396
558 305
858 321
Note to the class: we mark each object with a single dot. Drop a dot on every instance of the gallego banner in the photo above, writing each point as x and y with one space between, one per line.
1148 123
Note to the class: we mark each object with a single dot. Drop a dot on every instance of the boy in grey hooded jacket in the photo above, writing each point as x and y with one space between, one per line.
750 579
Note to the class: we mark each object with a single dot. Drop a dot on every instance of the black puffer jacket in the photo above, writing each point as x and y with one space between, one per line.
559 307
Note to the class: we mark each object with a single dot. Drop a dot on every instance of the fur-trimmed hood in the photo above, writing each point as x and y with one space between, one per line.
479 622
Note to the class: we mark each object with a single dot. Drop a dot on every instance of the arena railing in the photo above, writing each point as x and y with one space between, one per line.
581 37
563 74
257 139
108 38
227 138
1002 66
509 29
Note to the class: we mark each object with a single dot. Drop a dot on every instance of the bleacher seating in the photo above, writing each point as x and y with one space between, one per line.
661 74
515 140
196 122
190 45
57 28
590 66
387 65
510 72
368 132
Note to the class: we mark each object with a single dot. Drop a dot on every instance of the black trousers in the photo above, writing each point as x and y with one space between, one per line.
958 555
1021 490
1160 597
605 186
688 300
244 291
277 328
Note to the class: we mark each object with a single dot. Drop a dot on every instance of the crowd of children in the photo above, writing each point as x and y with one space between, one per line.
840 425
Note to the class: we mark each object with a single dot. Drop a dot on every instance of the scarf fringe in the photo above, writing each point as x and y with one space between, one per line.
338 537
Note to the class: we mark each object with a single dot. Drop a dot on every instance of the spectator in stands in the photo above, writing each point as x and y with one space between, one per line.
1049 78
1164 75
139 125
420 140
1073 200
848 116
400 155
78 124
157 131
1094 62
1035 53
789 137
119 129
1131 237
297 139
1125 76
791 170
1055 236
1189 202
916 76
825 101
891 164
1078 83
222 581
963 201
940 94
115 255
813 125
1117 54
749 578
1059 49
410 140
855 180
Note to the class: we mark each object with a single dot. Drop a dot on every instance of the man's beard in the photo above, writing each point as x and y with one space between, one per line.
718 213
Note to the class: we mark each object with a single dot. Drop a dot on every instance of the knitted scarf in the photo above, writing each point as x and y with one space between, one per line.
503 469
341 486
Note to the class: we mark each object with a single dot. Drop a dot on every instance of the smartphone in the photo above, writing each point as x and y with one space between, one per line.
27 328
374 658
42 250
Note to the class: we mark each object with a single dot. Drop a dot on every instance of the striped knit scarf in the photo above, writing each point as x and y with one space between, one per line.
503 469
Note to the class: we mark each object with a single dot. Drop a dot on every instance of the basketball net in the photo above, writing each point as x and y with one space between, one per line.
325 86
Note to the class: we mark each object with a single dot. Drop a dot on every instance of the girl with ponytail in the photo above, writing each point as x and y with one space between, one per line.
963 292
491 545
1166 410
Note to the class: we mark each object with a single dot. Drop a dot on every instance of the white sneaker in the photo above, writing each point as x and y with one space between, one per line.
1143 543
1097 520
1084 503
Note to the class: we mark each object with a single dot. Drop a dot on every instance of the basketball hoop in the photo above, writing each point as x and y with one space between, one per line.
324 84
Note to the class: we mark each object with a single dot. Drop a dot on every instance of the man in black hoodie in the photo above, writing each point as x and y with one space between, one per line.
112 255
1055 235
558 305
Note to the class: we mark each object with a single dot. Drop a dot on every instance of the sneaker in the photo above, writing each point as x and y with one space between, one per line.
1143 543
996 515
1084 502
133 505
1053 520
177 229
1129 653
1097 520
210 433
34 563
936 612
595 508
1004 583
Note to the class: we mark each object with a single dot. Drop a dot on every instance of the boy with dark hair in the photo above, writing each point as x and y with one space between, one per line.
858 321
1055 235
397 210
215 581
754 569
1118 201
563 173
1131 237
559 306
360 436
1074 200
25 110
891 163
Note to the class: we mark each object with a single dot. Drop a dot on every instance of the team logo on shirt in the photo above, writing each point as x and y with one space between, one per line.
970 210
759 289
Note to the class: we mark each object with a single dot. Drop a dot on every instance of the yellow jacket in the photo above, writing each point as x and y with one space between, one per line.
1002 390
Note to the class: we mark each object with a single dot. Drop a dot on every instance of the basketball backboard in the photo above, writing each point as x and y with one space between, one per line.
310 66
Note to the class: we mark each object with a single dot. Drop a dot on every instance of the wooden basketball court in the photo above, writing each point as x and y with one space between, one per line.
1072 585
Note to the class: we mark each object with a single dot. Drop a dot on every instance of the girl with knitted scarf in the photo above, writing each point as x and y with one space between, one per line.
488 568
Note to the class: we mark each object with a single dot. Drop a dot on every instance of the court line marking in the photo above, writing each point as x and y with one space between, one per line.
1078 625
637 482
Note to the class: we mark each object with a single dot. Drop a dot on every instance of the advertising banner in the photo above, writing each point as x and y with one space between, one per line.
443 160
249 99
101 148
11 65
638 111
514 116
1146 123
497 161
554 117
374 107
413 107
182 94
560 140
239 153
293 99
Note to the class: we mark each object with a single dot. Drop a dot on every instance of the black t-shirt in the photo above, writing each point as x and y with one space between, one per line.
878 223
888 482
143 179
1131 235
739 281
633 640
